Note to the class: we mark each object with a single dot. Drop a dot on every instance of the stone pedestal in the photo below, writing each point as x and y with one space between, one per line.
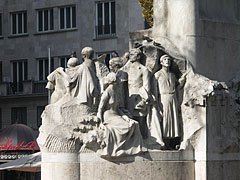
60 166
148 166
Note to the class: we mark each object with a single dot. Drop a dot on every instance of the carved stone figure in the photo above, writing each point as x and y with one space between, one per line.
83 84
165 94
122 135
58 81
138 88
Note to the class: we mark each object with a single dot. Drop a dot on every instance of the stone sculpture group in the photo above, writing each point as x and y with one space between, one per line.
130 107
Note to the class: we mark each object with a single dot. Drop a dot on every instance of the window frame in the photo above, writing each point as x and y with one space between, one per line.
72 23
17 110
24 23
18 83
50 21
112 18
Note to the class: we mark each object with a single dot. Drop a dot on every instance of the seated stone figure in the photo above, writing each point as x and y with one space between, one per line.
122 135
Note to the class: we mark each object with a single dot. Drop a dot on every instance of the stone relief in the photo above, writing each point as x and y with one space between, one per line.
144 100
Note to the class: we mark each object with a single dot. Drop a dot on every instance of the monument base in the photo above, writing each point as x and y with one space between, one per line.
154 165
148 166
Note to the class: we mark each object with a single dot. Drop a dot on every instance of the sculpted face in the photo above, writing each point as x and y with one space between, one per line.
166 61
135 55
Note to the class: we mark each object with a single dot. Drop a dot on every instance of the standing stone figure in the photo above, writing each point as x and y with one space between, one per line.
84 83
165 94
138 89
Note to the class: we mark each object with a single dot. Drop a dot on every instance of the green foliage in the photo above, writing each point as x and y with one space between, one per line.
147 11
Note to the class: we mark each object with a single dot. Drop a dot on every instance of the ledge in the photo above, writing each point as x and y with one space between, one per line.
56 31
105 38
1 37
18 35
147 156
15 96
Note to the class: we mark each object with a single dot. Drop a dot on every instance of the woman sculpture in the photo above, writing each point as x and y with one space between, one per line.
122 134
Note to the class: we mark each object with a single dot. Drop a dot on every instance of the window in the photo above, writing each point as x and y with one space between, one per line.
105 19
63 61
45 20
1 75
40 109
19 23
43 68
19 74
67 17
0 24
19 115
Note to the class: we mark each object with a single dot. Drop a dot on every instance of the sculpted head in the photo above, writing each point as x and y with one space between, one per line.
87 53
135 55
165 60
72 62
115 64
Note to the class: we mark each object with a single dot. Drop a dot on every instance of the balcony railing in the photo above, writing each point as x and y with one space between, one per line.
105 31
39 87
14 88
23 88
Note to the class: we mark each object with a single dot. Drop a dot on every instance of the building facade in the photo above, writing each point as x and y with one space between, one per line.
29 28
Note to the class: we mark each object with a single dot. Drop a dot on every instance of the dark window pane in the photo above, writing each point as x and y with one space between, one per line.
73 17
1 77
62 62
20 71
40 69
25 71
14 23
19 115
20 76
51 19
61 18
45 20
20 23
40 21
46 69
52 64
113 17
0 24
25 22
100 19
106 18
14 72
68 17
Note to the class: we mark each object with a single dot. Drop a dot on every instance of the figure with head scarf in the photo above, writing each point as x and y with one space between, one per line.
166 97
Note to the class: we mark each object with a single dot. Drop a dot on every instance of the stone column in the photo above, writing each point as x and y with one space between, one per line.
60 166
206 32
